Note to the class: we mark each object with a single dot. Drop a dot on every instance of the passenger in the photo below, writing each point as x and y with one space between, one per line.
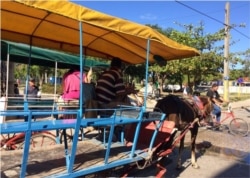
71 90
88 78
217 101
71 84
111 92
110 89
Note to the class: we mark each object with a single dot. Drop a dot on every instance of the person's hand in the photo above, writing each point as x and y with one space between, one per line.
130 90
222 105
225 103
219 104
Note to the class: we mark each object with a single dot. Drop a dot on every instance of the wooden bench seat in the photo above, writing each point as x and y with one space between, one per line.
41 103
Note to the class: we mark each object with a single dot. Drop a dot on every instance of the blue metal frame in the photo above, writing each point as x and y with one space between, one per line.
117 119
146 74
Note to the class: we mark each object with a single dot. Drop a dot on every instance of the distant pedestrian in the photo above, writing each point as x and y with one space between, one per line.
16 90
186 90
156 90
18 81
240 81
32 91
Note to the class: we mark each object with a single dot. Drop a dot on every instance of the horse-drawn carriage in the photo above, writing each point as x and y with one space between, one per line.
143 136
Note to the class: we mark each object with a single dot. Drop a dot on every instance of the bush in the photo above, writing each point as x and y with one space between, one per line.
49 88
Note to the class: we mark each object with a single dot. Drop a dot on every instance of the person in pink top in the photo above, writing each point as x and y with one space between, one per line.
71 91
71 84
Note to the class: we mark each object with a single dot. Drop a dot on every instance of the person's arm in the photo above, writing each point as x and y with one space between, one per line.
216 101
210 94
63 83
224 101
89 75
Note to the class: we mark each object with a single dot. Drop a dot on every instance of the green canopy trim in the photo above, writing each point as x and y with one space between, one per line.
20 53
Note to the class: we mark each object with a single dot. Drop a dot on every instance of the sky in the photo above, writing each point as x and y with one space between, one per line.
168 14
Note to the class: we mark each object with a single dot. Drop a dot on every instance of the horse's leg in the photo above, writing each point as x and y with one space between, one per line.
174 117
194 132
179 163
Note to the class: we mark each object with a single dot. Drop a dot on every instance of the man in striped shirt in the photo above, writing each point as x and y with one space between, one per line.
110 91
110 85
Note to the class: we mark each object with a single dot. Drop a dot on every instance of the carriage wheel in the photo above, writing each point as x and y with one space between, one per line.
39 140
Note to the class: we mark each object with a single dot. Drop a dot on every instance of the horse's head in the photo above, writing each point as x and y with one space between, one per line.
205 106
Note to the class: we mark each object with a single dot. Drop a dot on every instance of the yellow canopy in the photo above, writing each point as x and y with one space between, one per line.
55 25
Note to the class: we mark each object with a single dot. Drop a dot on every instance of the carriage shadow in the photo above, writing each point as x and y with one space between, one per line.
169 162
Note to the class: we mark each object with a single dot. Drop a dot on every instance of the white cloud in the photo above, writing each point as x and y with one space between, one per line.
148 16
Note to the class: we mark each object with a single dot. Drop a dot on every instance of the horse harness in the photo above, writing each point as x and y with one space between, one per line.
191 103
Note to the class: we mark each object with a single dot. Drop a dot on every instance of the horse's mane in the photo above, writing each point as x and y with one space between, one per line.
208 107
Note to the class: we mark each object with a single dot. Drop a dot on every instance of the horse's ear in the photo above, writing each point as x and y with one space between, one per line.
204 99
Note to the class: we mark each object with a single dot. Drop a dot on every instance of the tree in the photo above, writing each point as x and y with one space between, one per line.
208 65
135 71
37 72
246 63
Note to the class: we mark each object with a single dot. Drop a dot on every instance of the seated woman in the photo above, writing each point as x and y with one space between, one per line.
71 89
71 85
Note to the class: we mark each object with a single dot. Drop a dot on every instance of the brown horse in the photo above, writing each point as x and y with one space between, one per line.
183 112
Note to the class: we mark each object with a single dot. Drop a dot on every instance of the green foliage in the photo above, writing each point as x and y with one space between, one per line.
135 71
49 88
208 65
35 71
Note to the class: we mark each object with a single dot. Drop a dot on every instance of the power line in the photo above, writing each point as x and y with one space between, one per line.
212 18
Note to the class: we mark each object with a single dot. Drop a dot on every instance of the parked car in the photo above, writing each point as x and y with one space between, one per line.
201 88
172 88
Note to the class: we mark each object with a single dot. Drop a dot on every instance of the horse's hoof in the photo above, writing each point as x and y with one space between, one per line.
178 168
195 166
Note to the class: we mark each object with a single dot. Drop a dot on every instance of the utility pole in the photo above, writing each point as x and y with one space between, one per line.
226 54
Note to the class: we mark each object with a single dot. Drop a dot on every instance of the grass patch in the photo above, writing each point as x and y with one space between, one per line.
239 97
